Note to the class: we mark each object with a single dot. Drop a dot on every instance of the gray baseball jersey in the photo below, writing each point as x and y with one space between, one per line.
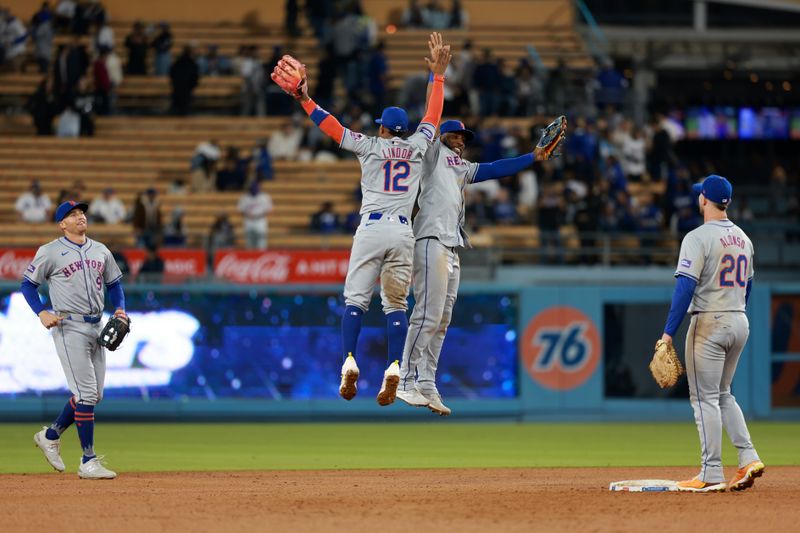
77 276
441 197
390 169
719 257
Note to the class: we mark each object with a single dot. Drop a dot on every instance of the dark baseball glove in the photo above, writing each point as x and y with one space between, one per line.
552 137
666 366
114 332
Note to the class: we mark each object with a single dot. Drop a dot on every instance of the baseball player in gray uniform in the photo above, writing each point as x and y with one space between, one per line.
439 232
713 282
77 270
383 245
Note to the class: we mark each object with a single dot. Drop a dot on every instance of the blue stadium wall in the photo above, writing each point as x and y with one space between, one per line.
514 351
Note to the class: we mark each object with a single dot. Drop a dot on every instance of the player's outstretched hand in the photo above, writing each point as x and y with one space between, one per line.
49 320
290 75
440 54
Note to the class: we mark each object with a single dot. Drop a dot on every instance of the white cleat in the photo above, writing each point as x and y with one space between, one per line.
413 397
94 469
50 448
348 387
435 404
391 379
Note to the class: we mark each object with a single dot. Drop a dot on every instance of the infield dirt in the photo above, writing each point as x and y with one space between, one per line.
408 501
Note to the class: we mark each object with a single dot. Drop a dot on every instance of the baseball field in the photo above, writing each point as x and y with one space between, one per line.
392 477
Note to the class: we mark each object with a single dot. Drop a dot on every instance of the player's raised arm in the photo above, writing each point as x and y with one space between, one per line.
552 137
440 58
290 75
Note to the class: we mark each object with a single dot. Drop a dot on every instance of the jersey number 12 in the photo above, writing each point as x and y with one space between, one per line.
393 173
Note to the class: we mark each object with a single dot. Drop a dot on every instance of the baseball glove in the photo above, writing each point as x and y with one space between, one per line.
665 366
290 75
552 136
114 332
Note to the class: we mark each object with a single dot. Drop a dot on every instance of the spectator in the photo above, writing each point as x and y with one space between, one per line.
69 123
255 205
551 213
413 16
352 221
162 45
661 155
107 209
84 106
649 221
528 91
290 24
221 234
94 13
346 39
557 88
615 175
174 231
435 16
378 77
102 83
213 64
505 212
253 79
233 174
204 166
152 269
478 208
42 32
284 144
685 216
178 188
262 161
34 206
69 68
486 81
185 77
104 38
318 13
42 107
64 13
325 221
611 86
136 43
147 222
633 156
114 67
459 18
507 90
13 36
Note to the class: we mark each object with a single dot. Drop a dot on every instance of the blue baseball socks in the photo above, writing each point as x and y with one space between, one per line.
64 420
84 420
396 329
351 329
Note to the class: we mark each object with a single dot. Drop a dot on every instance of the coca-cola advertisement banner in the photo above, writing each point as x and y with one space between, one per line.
282 266
178 263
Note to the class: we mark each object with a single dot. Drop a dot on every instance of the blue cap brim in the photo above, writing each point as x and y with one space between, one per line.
697 189
80 205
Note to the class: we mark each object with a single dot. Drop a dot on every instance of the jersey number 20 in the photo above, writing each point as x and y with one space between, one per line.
393 173
729 264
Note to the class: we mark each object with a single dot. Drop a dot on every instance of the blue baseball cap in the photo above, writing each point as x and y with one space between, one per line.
716 188
394 119
456 126
64 209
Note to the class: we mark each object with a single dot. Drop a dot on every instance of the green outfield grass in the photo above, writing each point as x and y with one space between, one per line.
172 447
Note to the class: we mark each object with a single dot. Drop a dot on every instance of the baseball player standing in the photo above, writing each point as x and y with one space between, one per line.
713 282
383 245
77 270
439 232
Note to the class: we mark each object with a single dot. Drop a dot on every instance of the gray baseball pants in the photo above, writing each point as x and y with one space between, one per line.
83 359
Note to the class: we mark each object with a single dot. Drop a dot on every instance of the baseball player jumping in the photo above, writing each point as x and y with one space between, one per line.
383 245
77 269
713 282
439 232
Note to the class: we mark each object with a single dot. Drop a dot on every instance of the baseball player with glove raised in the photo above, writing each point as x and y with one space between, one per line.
78 270
439 232
713 282
383 245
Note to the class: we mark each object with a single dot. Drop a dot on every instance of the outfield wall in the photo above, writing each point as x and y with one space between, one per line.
553 351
